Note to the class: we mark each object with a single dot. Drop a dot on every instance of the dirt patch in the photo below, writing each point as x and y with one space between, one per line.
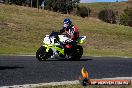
11 25
3 24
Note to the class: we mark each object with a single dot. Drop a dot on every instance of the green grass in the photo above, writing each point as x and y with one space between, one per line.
92 86
22 30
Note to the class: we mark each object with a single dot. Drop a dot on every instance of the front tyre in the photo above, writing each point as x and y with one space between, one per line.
41 54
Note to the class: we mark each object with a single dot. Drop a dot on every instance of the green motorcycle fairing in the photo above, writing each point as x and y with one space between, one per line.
61 51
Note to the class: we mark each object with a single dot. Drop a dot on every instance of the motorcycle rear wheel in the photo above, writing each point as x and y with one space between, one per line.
76 52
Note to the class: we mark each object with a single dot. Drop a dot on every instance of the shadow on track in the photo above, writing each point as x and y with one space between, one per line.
9 67
68 60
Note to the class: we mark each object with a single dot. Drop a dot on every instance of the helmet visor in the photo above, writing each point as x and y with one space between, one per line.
65 25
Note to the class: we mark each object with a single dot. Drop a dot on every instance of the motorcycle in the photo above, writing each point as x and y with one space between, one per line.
52 48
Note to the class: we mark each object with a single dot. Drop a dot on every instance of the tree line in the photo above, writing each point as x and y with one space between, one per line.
64 6
24 2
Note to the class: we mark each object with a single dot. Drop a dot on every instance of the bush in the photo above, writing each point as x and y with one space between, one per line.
126 17
108 16
83 11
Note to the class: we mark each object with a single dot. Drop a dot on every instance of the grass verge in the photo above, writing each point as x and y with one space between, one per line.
91 86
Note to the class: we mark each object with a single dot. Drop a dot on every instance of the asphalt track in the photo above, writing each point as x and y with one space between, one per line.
18 70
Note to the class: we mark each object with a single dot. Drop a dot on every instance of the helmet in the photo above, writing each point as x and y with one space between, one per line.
67 22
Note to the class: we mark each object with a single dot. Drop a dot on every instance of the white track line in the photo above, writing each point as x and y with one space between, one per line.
127 78
43 84
59 83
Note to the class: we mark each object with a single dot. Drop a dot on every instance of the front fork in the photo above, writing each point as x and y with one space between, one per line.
49 51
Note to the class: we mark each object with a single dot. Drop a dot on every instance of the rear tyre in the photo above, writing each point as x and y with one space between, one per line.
76 52
41 54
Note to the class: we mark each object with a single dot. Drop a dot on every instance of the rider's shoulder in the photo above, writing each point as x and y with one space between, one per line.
74 27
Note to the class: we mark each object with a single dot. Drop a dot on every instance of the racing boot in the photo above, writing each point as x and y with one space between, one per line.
61 45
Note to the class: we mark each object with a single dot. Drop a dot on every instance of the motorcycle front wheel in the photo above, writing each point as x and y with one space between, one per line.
41 54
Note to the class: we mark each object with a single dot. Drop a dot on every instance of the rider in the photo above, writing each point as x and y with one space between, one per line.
71 31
